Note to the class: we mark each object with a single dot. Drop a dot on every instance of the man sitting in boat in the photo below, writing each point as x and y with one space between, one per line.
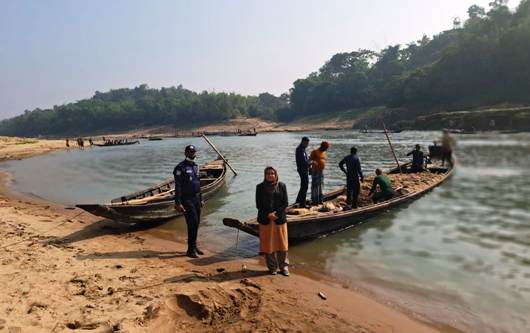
386 192
417 160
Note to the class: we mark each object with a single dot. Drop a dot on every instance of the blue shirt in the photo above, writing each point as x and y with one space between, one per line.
353 164
302 162
187 181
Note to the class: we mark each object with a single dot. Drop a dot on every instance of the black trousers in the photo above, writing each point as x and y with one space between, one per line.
193 218
353 187
304 184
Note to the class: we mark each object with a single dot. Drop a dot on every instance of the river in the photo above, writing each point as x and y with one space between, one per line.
459 255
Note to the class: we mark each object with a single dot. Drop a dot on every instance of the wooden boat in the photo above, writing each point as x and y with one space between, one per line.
302 228
247 134
154 138
156 203
109 144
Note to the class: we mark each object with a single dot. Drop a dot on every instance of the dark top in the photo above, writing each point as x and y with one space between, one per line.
384 183
417 157
271 202
187 181
353 166
302 162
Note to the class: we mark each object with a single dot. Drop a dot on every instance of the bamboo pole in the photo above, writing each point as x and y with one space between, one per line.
219 153
391 147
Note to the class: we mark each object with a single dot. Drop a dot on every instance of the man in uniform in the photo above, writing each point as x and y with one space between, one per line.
354 174
302 166
188 197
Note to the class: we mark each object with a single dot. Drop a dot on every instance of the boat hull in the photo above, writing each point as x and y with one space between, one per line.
128 209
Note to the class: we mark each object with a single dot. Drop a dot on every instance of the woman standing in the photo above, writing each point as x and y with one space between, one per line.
271 201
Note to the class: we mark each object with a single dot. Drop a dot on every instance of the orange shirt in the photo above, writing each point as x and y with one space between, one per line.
319 157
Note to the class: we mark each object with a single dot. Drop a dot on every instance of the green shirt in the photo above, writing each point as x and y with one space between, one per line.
384 183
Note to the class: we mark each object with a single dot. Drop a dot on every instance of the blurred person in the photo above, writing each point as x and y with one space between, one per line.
448 143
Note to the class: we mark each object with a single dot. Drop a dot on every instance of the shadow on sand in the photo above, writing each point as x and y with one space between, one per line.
220 277
102 228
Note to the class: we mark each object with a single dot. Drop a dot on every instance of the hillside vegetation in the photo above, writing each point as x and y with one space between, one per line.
482 61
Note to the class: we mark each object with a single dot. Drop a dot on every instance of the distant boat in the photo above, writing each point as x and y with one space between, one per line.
157 203
110 144
364 130
155 138
248 134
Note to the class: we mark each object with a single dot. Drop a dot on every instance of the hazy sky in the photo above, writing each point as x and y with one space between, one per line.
54 52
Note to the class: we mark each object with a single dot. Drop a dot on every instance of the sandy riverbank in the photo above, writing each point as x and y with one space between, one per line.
63 271
12 148
243 124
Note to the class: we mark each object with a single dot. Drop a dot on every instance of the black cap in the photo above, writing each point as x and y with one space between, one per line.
190 149
305 138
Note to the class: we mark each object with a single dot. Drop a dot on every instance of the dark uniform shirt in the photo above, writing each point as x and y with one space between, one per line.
302 162
187 181
417 158
353 166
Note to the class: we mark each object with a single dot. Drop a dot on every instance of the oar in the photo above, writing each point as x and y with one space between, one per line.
219 153
391 147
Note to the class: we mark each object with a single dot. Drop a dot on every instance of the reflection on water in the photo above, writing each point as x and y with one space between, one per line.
460 254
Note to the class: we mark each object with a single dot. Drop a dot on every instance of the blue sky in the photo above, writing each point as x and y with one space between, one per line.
54 52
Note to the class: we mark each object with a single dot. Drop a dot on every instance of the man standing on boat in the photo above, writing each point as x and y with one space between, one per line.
417 159
188 197
302 166
318 163
354 174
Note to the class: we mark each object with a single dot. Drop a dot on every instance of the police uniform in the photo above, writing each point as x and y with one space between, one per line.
188 193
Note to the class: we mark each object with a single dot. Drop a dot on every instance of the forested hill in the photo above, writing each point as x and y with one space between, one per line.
125 109
484 60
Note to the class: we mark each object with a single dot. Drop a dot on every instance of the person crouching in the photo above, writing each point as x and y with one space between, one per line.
271 202
386 192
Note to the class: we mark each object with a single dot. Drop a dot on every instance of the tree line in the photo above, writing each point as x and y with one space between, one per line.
124 109
483 60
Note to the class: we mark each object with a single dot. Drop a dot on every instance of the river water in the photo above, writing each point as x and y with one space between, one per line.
459 255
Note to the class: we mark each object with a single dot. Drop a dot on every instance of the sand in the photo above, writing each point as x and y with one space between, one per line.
64 270
12 148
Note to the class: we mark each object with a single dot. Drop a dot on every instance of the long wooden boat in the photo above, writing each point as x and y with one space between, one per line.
108 144
302 228
156 203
